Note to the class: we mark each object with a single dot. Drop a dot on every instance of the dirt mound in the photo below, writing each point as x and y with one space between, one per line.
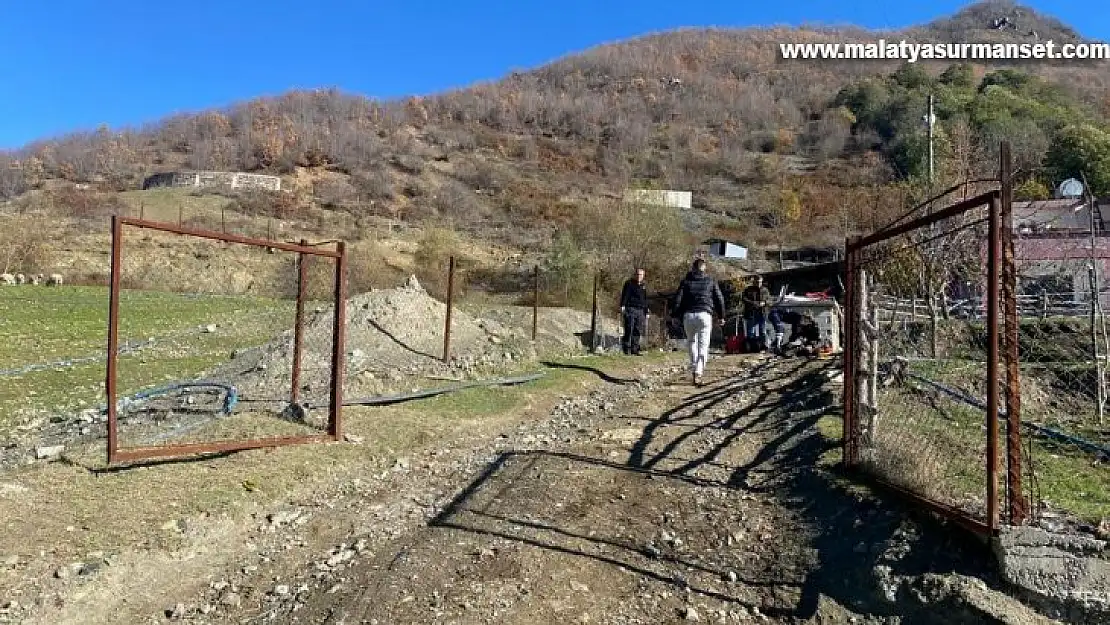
394 334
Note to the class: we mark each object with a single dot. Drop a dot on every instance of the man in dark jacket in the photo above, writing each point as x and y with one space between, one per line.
697 301
634 311
756 299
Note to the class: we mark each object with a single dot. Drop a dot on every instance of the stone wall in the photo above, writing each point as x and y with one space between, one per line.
210 179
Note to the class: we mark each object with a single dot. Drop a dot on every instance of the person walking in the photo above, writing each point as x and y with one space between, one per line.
634 312
756 299
698 299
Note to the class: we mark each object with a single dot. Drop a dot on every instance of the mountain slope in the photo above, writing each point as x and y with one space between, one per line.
715 111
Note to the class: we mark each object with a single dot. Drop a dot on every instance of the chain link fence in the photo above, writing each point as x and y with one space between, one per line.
259 370
976 360
1063 350
923 330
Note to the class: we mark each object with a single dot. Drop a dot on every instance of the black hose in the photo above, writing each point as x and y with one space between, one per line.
1041 430
383 400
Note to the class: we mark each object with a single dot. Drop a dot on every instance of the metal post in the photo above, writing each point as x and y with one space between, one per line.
298 323
993 296
223 219
593 319
536 302
180 215
1017 508
931 121
447 322
338 339
848 441
113 337
142 210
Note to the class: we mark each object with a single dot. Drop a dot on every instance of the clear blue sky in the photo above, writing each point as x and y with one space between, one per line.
71 65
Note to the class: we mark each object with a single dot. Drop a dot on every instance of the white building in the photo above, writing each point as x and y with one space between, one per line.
674 199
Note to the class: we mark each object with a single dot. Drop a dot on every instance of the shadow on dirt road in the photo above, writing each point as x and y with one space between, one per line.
781 532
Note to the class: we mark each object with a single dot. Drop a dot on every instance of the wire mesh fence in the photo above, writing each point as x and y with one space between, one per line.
922 323
235 358
1063 351
549 308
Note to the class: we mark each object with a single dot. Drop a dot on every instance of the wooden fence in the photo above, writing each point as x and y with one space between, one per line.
1039 306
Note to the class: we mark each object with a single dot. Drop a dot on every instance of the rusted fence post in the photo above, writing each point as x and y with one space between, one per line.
593 319
113 336
338 341
447 321
1015 497
298 330
849 442
993 297
535 301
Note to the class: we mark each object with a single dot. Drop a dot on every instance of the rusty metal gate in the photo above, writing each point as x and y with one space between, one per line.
930 362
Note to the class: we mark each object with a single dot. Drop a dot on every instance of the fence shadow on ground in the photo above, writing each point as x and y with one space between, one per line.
594 370
848 534
149 464
399 342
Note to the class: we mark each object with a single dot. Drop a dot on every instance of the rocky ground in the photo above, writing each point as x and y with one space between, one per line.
645 501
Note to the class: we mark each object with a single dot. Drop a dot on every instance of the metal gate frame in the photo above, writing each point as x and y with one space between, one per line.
999 261
303 250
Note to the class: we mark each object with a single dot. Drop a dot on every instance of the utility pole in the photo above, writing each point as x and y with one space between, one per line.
930 291
930 120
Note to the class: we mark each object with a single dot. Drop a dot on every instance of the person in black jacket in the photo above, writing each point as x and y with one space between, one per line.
756 299
697 301
634 312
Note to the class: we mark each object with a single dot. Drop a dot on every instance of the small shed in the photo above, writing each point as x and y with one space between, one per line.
719 248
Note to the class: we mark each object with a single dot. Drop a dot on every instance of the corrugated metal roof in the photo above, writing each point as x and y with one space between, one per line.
1054 215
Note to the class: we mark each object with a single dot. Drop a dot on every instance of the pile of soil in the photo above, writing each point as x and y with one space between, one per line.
394 335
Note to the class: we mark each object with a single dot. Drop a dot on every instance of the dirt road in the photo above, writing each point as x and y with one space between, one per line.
656 503
629 496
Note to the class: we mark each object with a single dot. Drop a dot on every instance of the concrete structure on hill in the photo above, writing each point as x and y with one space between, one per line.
213 179
674 199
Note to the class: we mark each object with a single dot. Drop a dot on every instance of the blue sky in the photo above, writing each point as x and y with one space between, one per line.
71 65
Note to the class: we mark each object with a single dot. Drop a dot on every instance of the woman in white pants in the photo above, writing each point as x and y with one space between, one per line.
698 299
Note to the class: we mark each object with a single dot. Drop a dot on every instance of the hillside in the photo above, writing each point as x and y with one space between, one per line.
714 111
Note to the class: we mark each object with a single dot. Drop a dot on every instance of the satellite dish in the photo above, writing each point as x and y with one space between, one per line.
1070 188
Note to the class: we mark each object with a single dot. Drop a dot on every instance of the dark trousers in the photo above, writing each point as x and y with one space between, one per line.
755 321
635 320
